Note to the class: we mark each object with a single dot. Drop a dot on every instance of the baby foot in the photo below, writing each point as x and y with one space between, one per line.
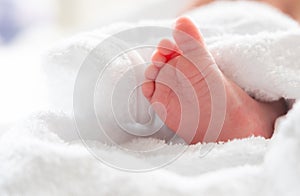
179 83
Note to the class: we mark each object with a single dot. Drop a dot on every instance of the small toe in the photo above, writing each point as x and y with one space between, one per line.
158 59
148 89
151 72
166 47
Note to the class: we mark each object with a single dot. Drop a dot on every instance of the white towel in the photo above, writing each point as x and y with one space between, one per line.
35 161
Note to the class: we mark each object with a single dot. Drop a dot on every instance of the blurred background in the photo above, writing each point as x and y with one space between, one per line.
29 27
17 16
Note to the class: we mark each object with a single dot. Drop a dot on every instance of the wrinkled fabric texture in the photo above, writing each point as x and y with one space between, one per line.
254 45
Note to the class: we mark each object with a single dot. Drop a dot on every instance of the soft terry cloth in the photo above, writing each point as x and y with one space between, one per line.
34 161
253 44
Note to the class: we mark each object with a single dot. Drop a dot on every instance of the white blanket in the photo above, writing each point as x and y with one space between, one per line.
254 45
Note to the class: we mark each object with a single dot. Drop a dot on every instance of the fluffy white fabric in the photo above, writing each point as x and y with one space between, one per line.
257 49
255 46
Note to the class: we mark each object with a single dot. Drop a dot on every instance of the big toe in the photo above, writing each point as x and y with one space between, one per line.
186 35
186 25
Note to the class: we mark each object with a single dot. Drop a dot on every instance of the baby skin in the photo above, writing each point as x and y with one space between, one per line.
179 84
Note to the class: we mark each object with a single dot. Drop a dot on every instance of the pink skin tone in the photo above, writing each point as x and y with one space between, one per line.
172 73
289 7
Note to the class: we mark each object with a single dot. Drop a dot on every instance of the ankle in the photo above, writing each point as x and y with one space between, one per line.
275 109
246 116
